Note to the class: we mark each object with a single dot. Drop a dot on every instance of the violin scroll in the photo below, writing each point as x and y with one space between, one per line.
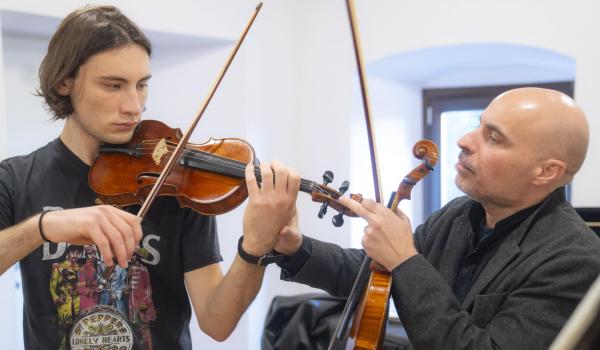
427 151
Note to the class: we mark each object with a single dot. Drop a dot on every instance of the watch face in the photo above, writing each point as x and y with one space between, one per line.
270 258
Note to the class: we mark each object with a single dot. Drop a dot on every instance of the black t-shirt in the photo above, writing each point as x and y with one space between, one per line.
67 303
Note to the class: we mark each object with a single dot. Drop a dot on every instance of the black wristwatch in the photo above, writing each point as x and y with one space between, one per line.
269 258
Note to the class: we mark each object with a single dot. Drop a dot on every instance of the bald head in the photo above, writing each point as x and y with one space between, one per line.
530 142
554 125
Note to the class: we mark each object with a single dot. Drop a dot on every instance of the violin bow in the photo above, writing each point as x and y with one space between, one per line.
186 136
365 98
363 275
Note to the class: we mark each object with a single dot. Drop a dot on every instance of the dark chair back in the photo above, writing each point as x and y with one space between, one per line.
591 215
308 321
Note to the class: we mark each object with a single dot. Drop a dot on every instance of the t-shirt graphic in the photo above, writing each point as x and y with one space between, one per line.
101 307
67 300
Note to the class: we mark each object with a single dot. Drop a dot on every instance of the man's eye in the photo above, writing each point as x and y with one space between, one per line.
113 86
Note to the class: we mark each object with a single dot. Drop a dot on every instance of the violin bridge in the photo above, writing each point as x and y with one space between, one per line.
159 151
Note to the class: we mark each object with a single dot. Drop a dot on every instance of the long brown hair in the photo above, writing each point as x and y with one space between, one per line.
82 34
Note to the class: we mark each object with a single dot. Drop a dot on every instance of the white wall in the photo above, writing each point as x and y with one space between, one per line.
570 28
397 128
22 56
293 92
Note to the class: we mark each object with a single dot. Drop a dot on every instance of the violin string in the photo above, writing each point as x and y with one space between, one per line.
227 164
230 164
222 163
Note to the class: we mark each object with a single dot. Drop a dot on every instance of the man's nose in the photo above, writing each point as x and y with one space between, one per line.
466 142
132 102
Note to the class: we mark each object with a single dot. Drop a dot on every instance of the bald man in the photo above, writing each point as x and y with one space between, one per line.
501 268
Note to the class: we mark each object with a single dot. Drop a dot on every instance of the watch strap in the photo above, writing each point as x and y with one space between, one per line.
269 258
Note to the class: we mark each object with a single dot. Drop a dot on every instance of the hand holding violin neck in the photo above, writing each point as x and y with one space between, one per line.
208 177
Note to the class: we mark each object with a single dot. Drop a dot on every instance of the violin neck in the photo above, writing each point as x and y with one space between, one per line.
306 186
230 167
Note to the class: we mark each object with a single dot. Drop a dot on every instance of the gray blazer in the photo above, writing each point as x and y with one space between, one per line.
520 300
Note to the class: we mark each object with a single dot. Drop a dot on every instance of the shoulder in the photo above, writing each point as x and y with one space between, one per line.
559 249
14 175
562 229
18 165
439 224
449 212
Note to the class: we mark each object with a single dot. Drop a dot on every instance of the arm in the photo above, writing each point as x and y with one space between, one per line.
316 263
116 233
323 265
18 241
528 317
219 301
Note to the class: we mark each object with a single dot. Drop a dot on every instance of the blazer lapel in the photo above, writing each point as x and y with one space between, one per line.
509 249
505 254
455 249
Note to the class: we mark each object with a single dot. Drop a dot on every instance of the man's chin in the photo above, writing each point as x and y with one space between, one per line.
464 187
459 182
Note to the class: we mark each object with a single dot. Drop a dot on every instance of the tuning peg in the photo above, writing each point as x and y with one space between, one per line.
323 210
327 177
344 187
338 220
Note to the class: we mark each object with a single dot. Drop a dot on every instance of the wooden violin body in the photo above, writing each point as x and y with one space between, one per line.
124 174
370 318
209 177
368 327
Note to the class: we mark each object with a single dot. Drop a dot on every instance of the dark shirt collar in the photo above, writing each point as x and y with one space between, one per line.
502 228
70 158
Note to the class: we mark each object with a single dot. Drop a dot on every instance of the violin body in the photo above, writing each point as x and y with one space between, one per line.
368 327
371 316
124 174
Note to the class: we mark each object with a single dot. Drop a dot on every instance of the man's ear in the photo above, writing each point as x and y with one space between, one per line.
64 87
549 171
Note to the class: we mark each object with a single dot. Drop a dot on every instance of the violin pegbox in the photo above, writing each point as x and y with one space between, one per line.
330 198
327 179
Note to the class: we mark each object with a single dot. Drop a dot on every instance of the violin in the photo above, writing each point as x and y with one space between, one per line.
208 178
368 327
